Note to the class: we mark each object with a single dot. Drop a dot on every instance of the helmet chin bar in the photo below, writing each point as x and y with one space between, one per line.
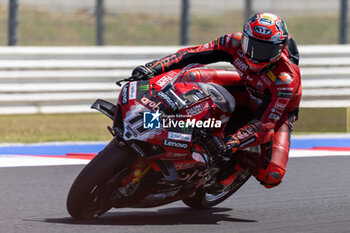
264 68
255 69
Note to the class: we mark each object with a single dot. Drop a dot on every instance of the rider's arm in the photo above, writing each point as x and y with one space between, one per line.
214 51
203 54
262 128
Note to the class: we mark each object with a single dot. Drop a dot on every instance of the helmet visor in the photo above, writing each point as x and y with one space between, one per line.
260 51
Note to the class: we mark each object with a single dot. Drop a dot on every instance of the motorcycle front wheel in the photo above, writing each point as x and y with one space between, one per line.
89 196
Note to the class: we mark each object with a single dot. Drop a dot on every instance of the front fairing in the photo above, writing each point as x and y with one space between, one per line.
181 104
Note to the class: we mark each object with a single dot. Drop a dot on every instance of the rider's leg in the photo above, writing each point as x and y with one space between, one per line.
269 166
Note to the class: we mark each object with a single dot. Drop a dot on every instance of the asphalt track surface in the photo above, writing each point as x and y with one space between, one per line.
314 197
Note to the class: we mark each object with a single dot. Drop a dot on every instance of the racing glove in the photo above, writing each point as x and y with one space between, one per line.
214 144
142 73
232 145
147 71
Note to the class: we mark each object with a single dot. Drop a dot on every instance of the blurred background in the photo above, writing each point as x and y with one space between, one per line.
158 22
64 54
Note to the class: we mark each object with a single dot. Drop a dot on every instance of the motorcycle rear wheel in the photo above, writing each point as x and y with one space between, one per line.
204 200
87 196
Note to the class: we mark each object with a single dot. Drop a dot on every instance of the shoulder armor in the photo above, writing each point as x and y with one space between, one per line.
236 39
283 78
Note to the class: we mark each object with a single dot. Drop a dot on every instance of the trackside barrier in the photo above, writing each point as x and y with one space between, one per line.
69 79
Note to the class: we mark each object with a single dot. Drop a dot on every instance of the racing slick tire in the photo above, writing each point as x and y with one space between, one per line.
89 195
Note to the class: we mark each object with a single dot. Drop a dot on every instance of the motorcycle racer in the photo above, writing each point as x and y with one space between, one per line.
266 58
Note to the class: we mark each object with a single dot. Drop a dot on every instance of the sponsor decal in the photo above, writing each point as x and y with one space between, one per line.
125 94
284 78
271 76
177 155
281 103
284 94
151 120
276 111
242 135
132 90
274 117
180 136
280 106
176 144
240 64
216 42
262 30
167 100
182 166
153 105
266 80
268 16
185 129
265 21
170 58
143 87
165 79
197 109
248 142
285 89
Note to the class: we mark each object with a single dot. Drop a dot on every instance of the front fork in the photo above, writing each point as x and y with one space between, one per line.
138 171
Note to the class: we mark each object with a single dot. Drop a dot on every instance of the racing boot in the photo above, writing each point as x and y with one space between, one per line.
229 171
241 160
250 161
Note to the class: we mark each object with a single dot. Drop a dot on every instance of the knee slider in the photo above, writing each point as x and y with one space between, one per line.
269 186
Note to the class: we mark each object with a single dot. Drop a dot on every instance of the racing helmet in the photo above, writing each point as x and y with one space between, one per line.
264 37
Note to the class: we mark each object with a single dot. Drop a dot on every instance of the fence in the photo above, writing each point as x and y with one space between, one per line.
69 79
65 22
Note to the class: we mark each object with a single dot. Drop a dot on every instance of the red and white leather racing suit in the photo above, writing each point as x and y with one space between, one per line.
272 97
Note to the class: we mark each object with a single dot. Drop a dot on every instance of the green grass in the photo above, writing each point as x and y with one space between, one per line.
92 127
48 128
38 27
321 120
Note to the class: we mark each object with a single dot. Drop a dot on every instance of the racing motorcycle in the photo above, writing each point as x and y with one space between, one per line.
162 149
